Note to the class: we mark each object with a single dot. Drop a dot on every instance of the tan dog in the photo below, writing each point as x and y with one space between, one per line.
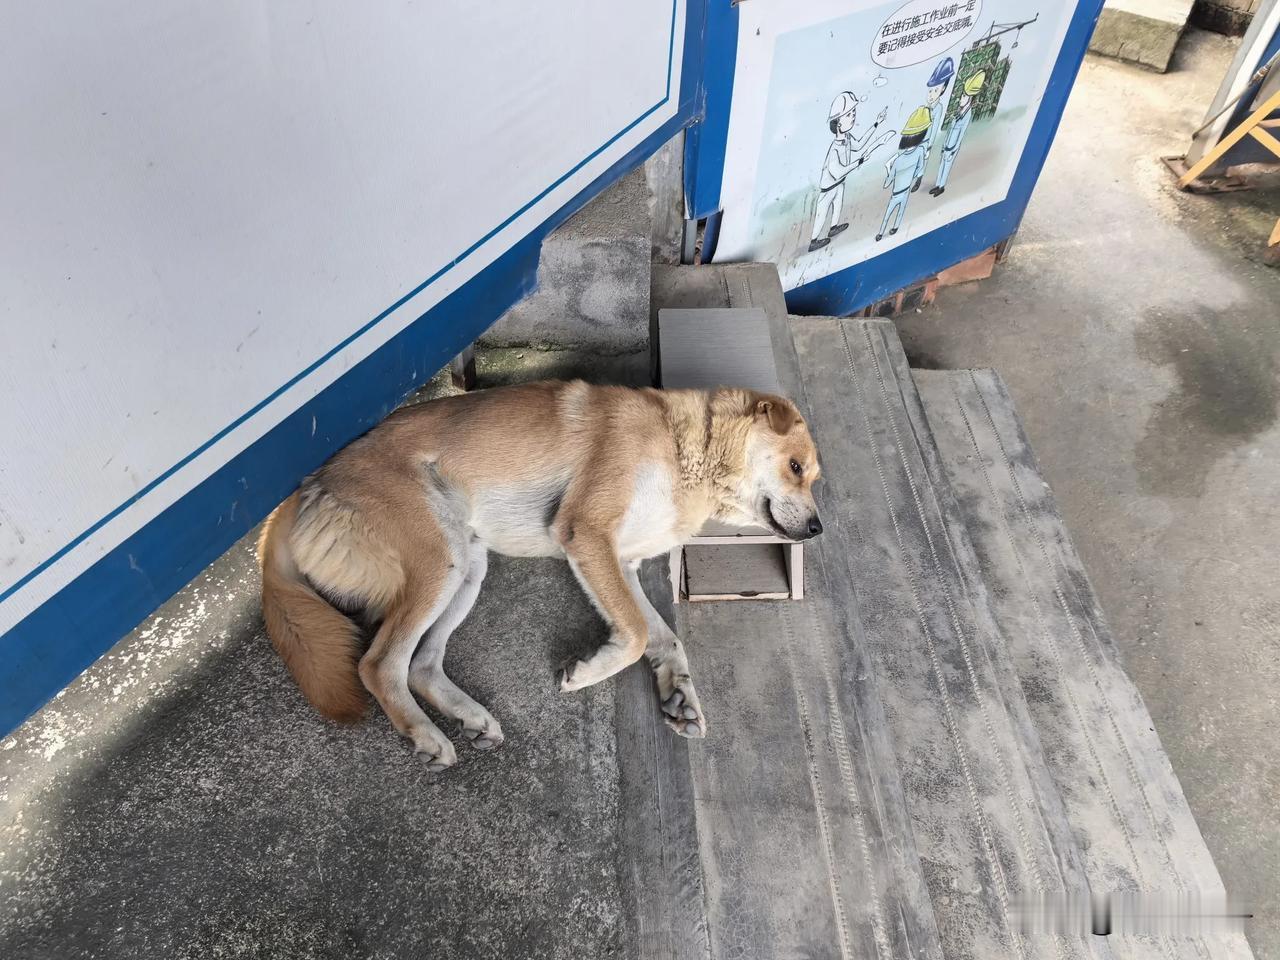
400 523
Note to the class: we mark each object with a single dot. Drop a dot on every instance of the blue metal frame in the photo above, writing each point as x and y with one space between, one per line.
855 287
704 143
53 644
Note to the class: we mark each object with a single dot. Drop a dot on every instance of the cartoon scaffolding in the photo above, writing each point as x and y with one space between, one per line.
984 56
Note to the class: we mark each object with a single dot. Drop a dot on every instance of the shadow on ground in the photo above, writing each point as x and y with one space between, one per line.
1225 396
224 818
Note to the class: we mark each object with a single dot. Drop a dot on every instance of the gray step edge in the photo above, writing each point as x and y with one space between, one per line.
1028 506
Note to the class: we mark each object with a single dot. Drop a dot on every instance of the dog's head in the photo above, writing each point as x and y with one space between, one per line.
779 469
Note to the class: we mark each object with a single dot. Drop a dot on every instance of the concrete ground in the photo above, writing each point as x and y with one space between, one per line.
1139 334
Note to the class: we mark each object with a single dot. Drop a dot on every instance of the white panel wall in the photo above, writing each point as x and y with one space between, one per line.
198 200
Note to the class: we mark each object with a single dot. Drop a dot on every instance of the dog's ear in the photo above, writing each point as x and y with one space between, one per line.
782 415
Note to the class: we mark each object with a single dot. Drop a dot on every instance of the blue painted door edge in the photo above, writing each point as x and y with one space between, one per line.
53 644
704 142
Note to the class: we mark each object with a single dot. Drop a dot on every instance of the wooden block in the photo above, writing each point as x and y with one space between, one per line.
721 533
702 348
737 572
975 268
795 569
707 348
676 571
714 528
793 561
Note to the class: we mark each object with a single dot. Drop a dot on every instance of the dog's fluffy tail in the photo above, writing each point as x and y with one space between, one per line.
318 643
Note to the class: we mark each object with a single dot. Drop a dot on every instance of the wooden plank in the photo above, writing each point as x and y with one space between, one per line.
714 528
1118 789
976 811
795 569
706 540
1266 139
964 562
704 348
660 864
907 925
790 869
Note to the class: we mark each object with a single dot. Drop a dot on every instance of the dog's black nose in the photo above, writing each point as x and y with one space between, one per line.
815 526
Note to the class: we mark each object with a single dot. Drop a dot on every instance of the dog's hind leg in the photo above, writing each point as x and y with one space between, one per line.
426 672
385 668
666 654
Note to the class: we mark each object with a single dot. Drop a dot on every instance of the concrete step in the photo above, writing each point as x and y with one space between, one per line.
593 275
1125 805
1141 31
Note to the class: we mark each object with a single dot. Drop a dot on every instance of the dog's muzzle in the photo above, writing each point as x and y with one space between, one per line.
807 531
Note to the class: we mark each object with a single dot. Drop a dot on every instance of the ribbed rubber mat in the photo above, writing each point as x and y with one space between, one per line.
1121 796
988 827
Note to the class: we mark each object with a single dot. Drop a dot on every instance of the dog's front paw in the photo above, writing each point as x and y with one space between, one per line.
568 676
681 709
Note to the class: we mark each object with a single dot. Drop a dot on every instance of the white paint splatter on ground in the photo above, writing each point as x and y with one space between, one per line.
159 658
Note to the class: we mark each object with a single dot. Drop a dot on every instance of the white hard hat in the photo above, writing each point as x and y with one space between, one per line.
842 104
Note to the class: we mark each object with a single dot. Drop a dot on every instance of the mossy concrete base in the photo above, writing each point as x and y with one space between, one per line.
1141 31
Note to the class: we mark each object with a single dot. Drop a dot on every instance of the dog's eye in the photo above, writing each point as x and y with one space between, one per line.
796 468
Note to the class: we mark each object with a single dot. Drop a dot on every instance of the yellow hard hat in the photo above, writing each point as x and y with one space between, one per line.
918 122
974 83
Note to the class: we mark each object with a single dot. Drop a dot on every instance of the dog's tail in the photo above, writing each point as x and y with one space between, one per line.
319 644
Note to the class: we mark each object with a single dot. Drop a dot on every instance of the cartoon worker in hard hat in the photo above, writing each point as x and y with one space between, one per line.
845 155
905 169
937 106
959 126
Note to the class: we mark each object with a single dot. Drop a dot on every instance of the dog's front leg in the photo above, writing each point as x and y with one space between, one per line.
594 562
665 653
